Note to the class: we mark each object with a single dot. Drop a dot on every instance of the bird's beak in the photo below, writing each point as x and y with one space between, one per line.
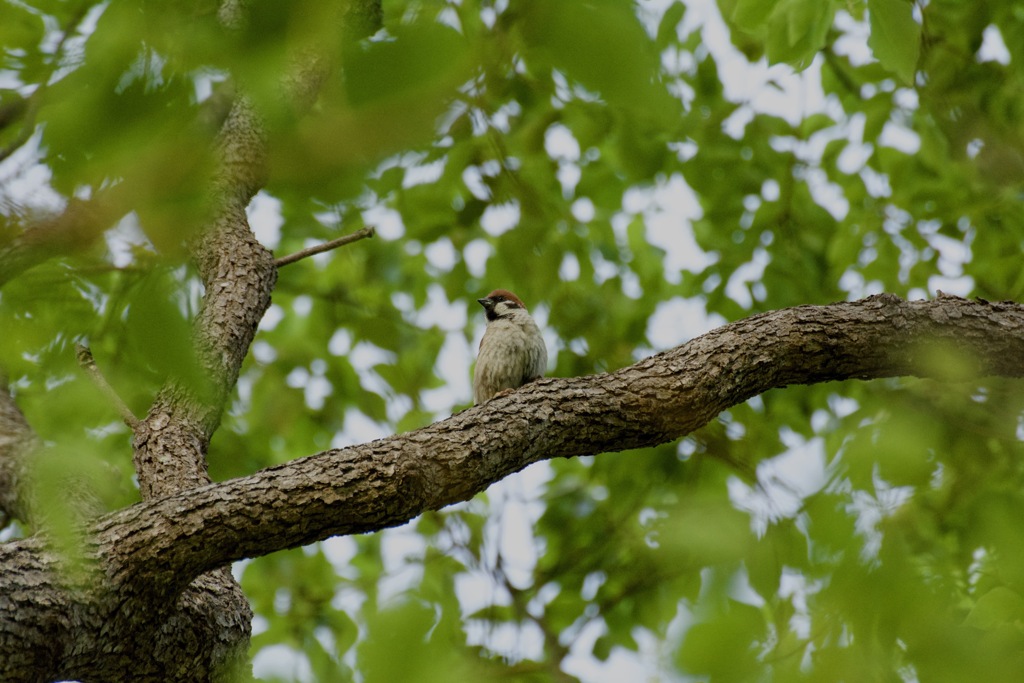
486 303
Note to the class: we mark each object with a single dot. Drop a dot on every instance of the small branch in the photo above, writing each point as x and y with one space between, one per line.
88 364
326 246
79 225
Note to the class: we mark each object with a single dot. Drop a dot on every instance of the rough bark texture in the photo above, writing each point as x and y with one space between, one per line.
129 615
99 617
238 275
16 439
201 630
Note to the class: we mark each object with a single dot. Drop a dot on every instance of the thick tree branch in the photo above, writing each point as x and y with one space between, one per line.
388 482
153 550
238 275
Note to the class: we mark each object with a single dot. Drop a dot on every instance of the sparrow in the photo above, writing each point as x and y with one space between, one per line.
512 351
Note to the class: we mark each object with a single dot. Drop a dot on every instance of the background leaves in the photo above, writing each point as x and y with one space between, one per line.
636 180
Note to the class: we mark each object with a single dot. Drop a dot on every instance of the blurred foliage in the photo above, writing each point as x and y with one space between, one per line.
854 531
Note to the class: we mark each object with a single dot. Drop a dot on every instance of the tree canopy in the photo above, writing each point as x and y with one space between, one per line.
846 502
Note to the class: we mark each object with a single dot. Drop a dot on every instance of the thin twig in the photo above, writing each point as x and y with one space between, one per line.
326 246
88 364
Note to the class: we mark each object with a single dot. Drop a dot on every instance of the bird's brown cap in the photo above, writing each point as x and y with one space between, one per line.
499 294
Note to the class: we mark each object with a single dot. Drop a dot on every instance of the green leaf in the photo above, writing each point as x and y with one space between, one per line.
722 646
602 46
797 30
20 33
895 36
415 59
669 25
997 607
752 15
159 331
407 628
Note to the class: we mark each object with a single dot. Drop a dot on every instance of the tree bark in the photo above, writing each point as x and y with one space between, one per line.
94 619
16 440
122 613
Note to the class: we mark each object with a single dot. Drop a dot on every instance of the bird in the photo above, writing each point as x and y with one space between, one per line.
512 351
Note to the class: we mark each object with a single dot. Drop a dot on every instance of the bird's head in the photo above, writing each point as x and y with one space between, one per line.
501 303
